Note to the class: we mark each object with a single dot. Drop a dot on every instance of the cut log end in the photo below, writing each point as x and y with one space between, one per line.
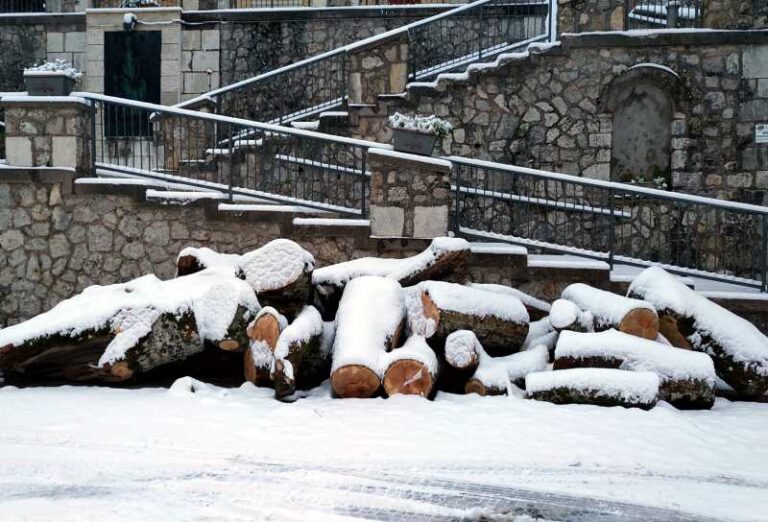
431 311
121 371
641 322
408 377
355 381
668 327
476 386
229 345
186 265
266 328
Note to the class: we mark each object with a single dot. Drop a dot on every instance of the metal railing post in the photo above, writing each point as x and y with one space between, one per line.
479 33
231 164
93 138
764 254
611 228
673 12
366 180
457 203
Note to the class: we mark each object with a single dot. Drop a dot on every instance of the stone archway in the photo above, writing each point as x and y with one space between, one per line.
642 103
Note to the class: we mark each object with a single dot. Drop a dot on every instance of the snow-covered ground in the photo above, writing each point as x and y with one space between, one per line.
88 453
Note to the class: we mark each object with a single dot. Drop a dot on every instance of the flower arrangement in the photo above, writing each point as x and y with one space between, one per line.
56 67
423 124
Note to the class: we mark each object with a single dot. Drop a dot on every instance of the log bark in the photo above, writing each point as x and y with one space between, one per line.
689 320
236 338
609 310
302 360
499 334
369 322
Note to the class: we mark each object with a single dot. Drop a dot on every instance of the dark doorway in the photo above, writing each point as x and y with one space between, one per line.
132 71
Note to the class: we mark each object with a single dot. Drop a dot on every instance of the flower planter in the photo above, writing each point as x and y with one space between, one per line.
414 142
48 84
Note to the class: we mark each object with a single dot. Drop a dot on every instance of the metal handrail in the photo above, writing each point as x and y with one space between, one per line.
320 82
232 155
688 234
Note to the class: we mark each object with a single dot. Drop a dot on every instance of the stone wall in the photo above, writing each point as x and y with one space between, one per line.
264 44
22 45
580 16
550 110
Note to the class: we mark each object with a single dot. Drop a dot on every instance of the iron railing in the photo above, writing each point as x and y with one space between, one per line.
452 39
239 157
672 14
693 235
133 4
22 6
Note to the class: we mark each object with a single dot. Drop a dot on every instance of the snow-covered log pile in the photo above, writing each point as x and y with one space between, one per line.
687 379
379 327
445 257
690 320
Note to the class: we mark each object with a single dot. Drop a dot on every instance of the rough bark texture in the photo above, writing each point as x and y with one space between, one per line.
310 364
681 393
499 337
564 395
236 338
291 298
479 387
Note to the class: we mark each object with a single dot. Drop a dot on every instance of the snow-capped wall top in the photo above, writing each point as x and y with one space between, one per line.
737 336
630 386
472 301
606 307
275 265
638 354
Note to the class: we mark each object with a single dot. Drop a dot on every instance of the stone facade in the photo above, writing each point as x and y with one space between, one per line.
549 110
22 46
410 195
581 16
376 69
54 134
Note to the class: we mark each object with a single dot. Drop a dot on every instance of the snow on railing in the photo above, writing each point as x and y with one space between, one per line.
618 222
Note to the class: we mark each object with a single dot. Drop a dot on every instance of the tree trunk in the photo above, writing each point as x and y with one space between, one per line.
631 316
264 332
411 369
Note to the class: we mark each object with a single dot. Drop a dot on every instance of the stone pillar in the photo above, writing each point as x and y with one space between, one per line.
48 132
378 68
410 195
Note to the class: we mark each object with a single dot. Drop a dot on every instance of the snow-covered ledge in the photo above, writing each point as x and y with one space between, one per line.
47 131
410 195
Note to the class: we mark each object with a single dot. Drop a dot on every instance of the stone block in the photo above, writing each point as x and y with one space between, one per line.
74 42
387 221
211 39
18 151
204 60
762 88
191 40
398 77
55 43
430 222
754 61
64 153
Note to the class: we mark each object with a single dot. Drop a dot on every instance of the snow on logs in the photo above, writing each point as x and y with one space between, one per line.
192 260
565 315
114 332
687 379
598 386
537 309
281 274
690 320
609 310
443 257
500 321
369 322
301 355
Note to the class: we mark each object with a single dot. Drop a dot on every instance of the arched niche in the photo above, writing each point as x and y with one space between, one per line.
643 102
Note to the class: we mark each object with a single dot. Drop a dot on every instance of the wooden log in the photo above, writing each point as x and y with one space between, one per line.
565 315
494 375
596 386
281 274
690 320
302 357
192 260
264 332
411 369
369 322
537 308
609 310
687 379
462 355
444 258
499 321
